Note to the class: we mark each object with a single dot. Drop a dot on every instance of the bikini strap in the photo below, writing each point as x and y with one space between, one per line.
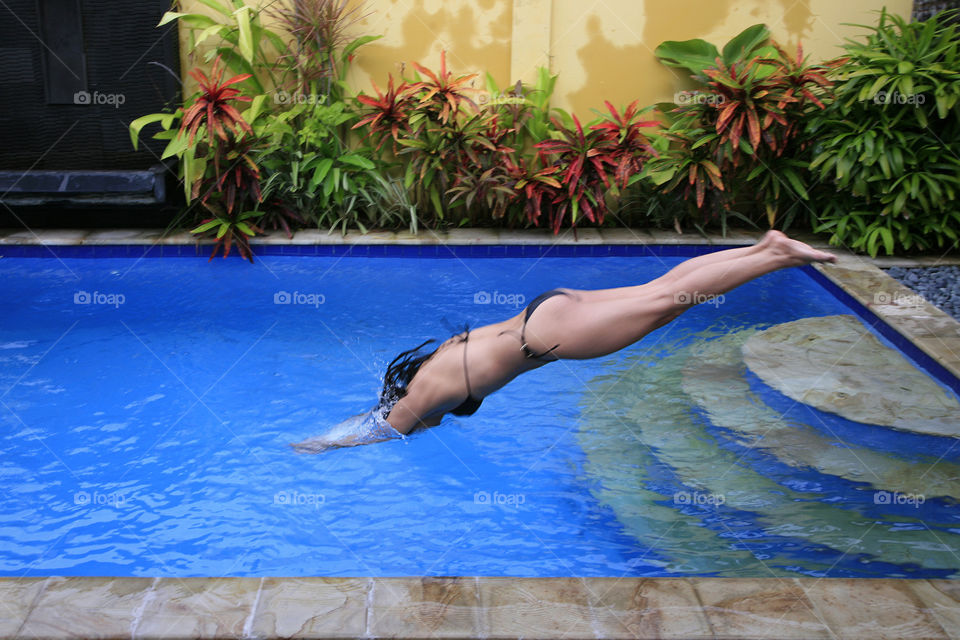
526 350
466 375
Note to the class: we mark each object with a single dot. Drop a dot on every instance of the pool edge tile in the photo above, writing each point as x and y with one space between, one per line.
106 237
17 598
775 607
932 331
426 607
311 608
199 608
547 608
630 236
471 235
50 237
647 608
70 607
885 608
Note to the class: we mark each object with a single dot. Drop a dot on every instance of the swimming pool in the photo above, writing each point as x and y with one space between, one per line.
148 403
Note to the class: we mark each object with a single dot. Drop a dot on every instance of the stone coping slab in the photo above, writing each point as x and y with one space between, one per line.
468 607
453 236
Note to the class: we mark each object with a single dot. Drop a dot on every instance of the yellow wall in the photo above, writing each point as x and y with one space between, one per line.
601 49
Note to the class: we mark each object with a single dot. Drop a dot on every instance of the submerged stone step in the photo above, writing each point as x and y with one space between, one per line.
834 363
650 401
619 459
714 379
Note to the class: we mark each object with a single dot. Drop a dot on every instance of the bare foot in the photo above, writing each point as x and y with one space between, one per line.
797 253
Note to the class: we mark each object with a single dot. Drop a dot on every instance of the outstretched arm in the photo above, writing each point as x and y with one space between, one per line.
364 428
370 427
411 411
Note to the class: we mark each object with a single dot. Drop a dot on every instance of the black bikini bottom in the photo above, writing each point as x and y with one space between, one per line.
536 302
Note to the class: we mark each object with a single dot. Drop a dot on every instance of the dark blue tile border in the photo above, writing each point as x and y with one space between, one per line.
912 351
366 250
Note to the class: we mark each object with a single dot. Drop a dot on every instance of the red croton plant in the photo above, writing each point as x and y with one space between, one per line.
234 181
459 154
584 159
737 143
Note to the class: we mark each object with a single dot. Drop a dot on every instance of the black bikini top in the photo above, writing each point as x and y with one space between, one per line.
469 406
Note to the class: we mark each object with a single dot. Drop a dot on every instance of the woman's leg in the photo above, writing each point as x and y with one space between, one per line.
588 328
681 269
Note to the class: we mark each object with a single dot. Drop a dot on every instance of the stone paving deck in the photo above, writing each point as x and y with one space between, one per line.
571 608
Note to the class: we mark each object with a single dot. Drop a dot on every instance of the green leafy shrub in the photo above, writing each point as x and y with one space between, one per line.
734 144
888 146
314 176
294 130
765 137
215 145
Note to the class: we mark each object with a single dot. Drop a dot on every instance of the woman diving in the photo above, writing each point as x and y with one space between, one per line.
419 389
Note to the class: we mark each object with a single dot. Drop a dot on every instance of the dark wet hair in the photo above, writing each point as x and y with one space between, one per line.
399 374
401 371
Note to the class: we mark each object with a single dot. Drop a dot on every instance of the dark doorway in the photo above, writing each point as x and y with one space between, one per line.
77 73
925 9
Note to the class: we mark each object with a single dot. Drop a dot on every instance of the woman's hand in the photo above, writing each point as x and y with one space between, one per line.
313 445
364 428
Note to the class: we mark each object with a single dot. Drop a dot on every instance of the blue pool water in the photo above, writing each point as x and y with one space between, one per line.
146 407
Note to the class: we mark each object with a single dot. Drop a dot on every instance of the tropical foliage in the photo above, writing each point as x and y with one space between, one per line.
734 145
864 147
888 146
